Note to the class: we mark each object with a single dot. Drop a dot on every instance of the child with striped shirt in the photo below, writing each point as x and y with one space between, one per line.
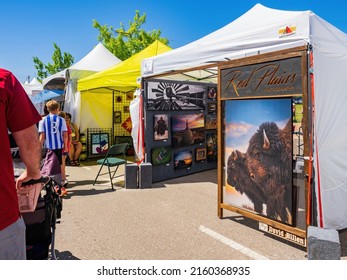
53 133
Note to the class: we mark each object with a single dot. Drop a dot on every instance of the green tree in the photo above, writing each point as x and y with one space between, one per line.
60 61
125 43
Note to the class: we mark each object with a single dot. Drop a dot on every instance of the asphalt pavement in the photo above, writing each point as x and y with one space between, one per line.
173 220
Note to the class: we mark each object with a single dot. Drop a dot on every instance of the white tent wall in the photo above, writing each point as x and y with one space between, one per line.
71 103
329 47
257 32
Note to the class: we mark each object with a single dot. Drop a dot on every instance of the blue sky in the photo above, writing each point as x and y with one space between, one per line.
29 28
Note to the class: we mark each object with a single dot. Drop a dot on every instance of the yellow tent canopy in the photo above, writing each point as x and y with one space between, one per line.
123 76
98 91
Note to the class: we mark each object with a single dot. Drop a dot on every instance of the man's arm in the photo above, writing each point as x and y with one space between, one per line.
30 153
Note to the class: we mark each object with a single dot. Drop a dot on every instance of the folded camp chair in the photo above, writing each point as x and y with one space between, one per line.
111 161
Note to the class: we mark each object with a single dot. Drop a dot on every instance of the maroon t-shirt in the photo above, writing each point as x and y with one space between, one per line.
16 113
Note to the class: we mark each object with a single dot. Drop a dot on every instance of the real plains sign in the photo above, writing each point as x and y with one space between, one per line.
273 78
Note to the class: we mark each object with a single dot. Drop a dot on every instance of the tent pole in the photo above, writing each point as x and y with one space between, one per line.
67 78
112 134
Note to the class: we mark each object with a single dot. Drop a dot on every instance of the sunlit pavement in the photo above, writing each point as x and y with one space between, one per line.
172 220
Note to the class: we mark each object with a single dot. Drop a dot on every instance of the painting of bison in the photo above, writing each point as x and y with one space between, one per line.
260 167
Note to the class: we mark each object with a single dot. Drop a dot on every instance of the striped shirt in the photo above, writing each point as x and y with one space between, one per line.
53 126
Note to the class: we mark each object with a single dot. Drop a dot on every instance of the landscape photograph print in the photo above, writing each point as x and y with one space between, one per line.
187 129
183 159
258 156
171 96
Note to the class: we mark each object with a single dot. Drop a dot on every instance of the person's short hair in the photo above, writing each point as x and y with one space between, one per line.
62 114
52 105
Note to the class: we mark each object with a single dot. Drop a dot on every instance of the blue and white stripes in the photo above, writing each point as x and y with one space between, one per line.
53 126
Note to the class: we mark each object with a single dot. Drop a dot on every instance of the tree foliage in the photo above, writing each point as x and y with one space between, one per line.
124 43
60 61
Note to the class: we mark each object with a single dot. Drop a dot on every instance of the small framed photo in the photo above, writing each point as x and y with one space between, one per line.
211 145
212 93
211 121
161 127
129 96
161 155
211 107
200 154
183 159
126 109
119 99
117 117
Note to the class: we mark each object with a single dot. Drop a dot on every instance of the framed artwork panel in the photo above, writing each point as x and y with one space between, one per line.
173 96
117 117
211 146
211 121
259 141
212 93
183 159
211 107
100 143
126 109
200 154
161 127
188 129
161 155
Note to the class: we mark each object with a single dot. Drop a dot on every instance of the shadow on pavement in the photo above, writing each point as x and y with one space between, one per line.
244 221
198 177
255 225
66 255
81 183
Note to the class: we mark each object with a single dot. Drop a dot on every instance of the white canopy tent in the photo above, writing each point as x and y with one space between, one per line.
33 88
263 30
100 58
39 96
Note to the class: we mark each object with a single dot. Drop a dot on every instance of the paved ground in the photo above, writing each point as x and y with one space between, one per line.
174 220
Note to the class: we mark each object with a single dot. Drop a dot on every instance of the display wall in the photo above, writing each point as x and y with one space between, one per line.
180 127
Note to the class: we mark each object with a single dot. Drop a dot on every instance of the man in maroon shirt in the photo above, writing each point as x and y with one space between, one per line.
19 116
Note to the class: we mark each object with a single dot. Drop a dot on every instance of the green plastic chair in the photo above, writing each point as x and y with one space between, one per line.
111 160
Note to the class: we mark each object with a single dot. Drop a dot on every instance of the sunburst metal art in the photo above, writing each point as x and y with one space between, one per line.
174 96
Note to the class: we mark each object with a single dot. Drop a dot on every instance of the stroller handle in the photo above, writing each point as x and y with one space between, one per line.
43 179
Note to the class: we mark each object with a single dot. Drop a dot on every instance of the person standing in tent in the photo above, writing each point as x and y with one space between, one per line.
54 135
76 145
19 116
